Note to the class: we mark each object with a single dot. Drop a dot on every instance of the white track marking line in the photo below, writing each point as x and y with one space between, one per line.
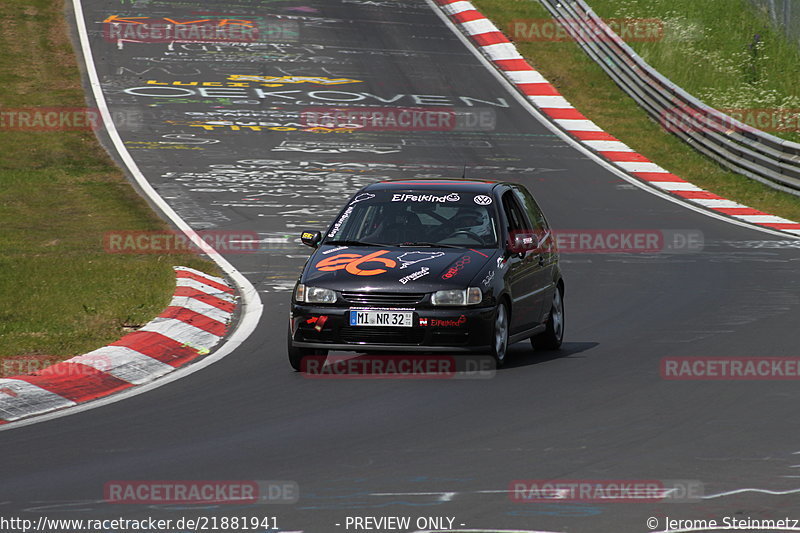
19 398
577 124
551 102
201 307
202 274
758 491
609 146
500 51
458 7
676 186
124 363
182 332
208 289
453 494
525 76
477 27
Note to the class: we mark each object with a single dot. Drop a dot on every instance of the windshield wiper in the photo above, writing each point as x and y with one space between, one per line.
353 243
430 244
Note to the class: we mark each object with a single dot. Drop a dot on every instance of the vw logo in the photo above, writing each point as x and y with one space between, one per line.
482 199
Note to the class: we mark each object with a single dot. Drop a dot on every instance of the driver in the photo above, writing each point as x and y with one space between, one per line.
474 220
397 225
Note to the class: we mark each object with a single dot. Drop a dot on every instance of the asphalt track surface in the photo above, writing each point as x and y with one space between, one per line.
404 447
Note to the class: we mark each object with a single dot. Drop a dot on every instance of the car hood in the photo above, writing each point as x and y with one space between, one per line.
394 269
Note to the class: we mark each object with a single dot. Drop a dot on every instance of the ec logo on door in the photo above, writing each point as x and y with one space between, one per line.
352 263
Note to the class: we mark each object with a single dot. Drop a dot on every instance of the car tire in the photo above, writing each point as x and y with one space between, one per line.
296 355
553 335
500 335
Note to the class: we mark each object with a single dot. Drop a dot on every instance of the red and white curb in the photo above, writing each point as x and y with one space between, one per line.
195 321
505 56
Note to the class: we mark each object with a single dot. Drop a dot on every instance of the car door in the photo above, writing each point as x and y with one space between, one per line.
524 272
546 253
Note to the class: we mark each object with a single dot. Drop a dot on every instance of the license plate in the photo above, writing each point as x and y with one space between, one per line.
381 318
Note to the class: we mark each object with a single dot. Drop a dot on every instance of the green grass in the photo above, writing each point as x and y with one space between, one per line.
591 91
62 294
724 52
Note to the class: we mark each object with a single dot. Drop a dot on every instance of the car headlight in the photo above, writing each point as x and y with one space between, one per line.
468 296
314 295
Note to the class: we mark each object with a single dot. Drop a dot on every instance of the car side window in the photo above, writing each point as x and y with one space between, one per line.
534 212
517 221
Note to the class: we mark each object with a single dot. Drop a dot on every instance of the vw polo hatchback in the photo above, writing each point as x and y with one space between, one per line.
430 266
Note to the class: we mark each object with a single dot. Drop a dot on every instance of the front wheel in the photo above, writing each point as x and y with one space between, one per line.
553 336
500 337
296 355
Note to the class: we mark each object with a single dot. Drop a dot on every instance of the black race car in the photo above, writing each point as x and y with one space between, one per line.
430 266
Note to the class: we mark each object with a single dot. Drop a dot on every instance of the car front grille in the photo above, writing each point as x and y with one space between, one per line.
381 335
383 298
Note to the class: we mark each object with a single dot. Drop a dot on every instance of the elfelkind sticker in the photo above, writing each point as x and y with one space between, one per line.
443 323
424 271
452 197
409 258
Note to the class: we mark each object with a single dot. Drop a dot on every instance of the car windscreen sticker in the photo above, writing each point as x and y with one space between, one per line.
409 258
341 220
361 197
405 197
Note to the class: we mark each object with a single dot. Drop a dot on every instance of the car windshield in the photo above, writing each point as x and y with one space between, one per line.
421 218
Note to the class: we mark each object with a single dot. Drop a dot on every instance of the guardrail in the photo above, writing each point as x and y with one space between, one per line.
737 146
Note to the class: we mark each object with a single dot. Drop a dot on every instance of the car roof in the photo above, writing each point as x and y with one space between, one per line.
466 185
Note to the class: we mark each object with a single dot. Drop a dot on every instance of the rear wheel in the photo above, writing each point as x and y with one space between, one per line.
500 337
296 355
554 334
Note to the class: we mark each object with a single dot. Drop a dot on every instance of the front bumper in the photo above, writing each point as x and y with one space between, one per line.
459 330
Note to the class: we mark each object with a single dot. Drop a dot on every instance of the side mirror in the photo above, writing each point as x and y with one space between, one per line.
523 242
311 238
